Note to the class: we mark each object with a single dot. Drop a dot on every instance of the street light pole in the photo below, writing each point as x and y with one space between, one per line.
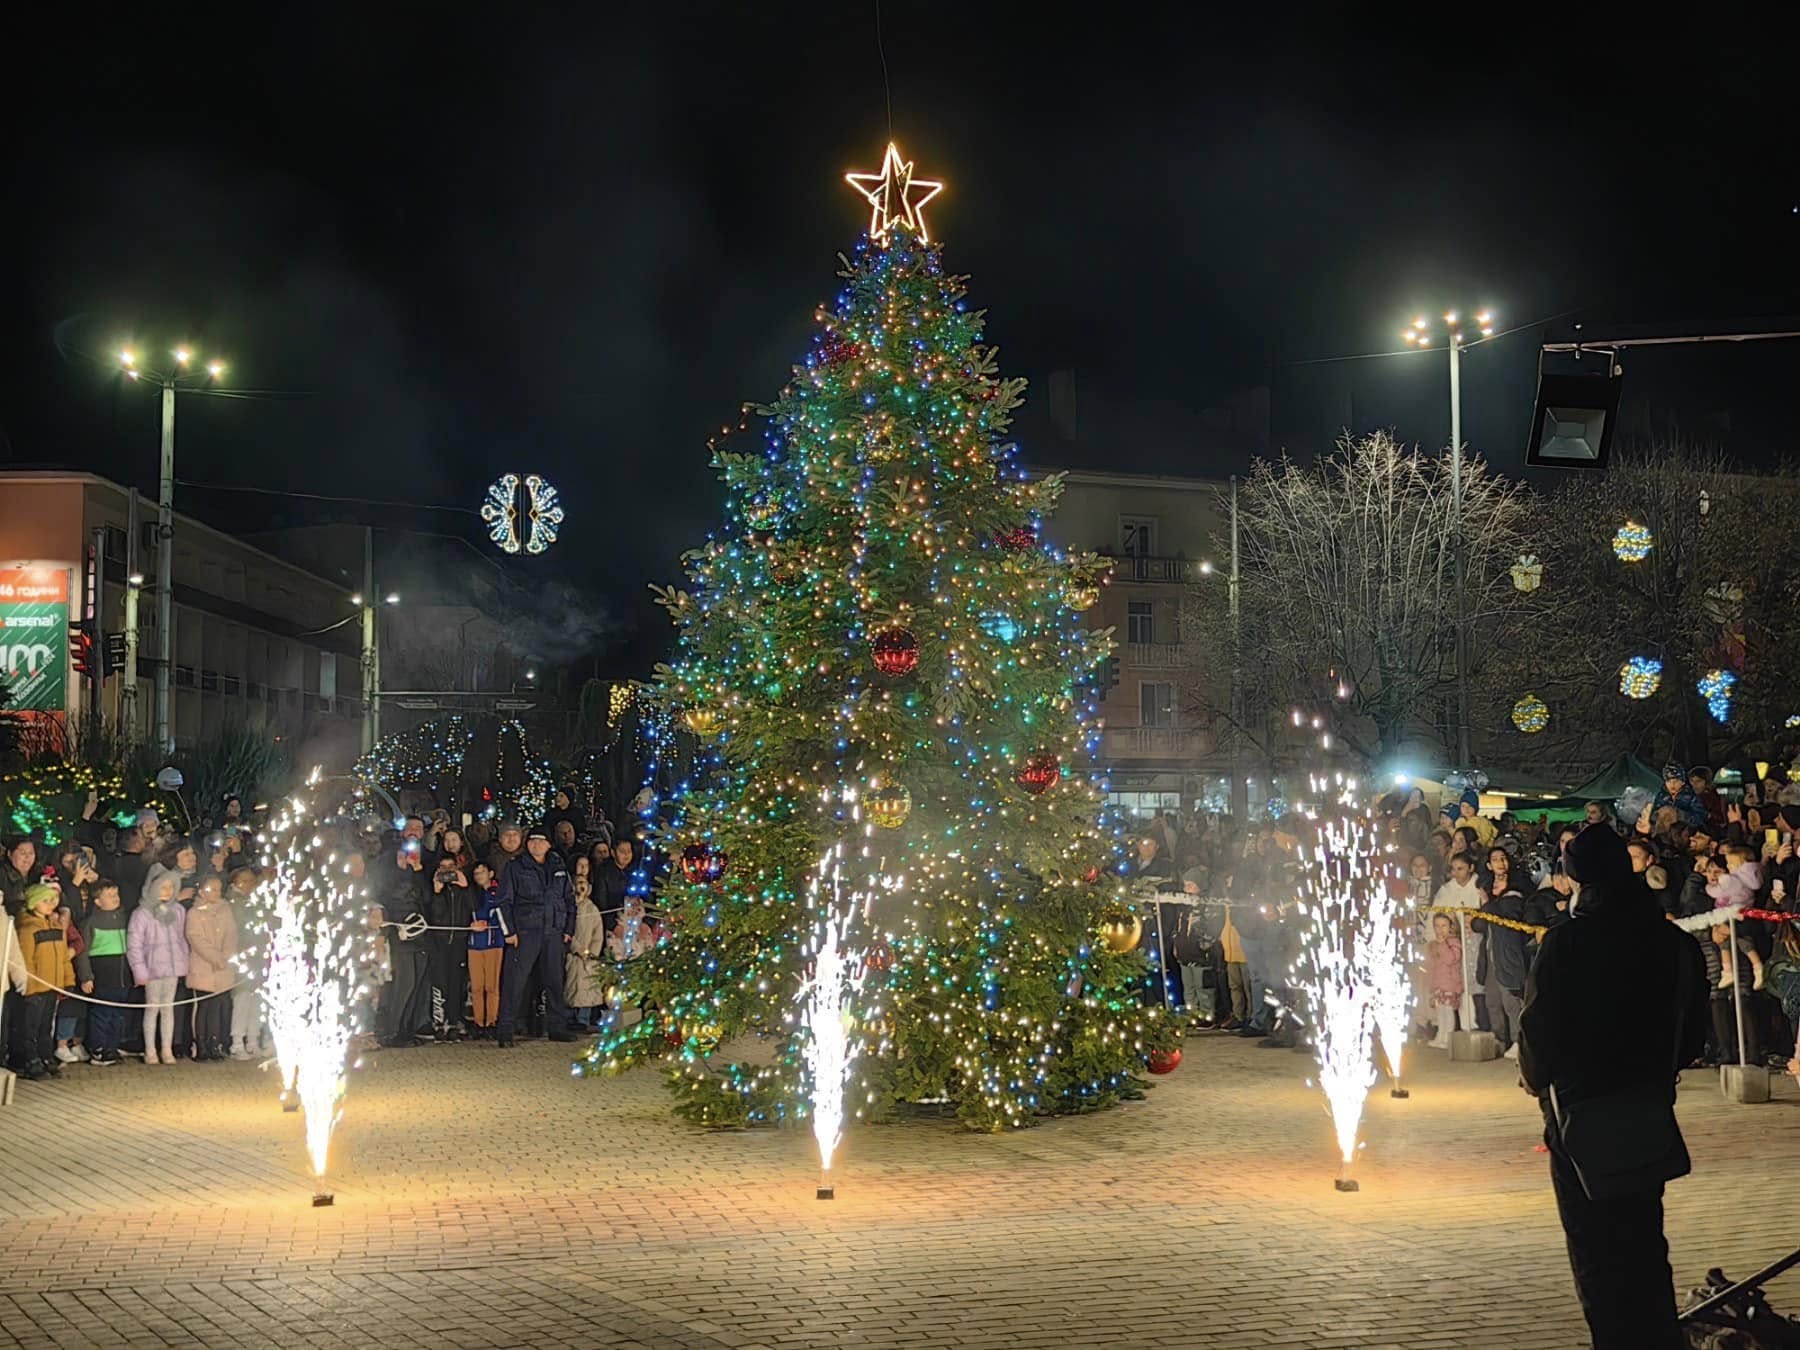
370 729
170 384
1420 336
128 689
1463 758
165 565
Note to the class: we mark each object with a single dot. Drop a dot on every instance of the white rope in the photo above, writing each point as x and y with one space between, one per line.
1695 922
108 1003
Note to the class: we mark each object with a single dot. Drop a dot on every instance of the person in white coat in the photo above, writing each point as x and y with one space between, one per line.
1461 892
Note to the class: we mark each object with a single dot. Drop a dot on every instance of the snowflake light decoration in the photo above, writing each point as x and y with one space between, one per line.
1531 714
539 510
1633 542
1715 687
1640 677
501 512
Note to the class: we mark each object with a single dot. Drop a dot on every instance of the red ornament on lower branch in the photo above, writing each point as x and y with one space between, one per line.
703 864
1040 773
1165 1061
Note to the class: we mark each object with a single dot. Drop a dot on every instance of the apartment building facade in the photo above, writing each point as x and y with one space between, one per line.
256 642
1161 533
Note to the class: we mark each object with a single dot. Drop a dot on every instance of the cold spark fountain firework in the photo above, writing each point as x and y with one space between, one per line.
1384 952
310 971
1333 904
837 975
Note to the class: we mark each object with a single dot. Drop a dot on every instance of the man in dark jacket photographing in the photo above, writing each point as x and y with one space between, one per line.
539 906
1616 1004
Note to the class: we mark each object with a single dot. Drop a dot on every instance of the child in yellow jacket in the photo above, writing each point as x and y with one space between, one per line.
49 970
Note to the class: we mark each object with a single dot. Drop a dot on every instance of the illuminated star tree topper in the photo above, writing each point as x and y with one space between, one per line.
895 196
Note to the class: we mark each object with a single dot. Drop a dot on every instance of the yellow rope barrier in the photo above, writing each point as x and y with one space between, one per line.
1536 930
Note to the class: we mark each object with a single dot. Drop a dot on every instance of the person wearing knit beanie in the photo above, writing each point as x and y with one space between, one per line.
1617 1002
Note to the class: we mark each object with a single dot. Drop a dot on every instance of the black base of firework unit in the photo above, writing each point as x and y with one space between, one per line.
1346 1184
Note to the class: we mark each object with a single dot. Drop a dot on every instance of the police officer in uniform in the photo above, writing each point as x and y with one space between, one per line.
539 905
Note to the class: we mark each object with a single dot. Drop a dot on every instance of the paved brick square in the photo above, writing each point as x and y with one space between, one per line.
486 1198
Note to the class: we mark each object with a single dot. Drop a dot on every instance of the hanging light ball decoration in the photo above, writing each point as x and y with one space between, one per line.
701 721
522 513
895 651
1165 1061
702 864
880 956
1041 772
1531 714
760 515
1080 598
1527 573
1640 677
1633 542
1121 931
1715 687
1017 539
889 806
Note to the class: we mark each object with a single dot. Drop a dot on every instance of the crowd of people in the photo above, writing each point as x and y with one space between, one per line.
1483 891
141 941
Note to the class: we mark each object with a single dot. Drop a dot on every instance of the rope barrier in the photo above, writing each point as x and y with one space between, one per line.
1535 929
1694 923
109 1003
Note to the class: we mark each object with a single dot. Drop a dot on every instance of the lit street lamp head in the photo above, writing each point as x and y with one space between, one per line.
1419 335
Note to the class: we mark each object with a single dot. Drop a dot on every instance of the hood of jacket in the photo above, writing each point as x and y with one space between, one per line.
154 878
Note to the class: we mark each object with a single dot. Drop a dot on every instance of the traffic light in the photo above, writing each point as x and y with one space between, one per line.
81 649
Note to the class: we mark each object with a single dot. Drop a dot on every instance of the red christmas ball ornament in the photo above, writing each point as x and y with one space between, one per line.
896 651
880 957
703 864
835 349
1017 539
1040 773
1091 875
1165 1061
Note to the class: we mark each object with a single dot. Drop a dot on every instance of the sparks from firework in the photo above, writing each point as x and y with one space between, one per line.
311 985
1385 956
825 1012
1333 903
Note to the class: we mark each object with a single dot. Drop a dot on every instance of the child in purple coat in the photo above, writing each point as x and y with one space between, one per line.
156 946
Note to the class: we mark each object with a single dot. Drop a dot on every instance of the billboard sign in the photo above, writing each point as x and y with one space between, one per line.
34 639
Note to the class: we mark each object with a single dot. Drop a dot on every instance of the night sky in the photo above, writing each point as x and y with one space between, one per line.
466 240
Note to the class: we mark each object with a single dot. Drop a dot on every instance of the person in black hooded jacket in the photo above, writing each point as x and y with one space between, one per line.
1616 1003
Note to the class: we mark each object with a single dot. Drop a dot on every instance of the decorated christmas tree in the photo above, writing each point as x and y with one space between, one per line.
881 650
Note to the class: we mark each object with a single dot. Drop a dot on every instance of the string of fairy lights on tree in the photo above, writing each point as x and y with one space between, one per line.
879 642
434 754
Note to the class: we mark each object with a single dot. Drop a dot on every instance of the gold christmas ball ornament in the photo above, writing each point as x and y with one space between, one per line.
889 806
1121 932
1083 597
